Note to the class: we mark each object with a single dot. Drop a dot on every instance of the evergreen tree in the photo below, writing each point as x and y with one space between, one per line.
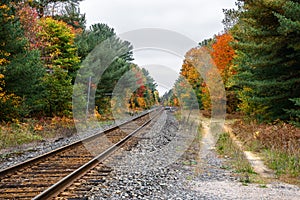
89 39
21 67
72 16
56 99
52 8
268 52
23 76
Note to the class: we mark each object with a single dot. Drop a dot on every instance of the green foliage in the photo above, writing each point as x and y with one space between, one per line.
9 103
39 61
22 68
57 93
295 113
89 39
267 63
11 40
23 75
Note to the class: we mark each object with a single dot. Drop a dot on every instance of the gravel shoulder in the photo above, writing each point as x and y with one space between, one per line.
194 173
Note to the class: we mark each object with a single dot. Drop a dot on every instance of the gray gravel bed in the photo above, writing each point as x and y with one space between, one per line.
188 175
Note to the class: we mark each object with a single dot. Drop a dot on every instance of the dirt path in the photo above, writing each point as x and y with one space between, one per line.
216 183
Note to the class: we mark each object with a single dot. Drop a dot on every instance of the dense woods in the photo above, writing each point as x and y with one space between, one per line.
258 57
42 46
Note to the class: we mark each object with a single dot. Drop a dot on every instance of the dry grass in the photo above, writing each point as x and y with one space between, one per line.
17 133
278 144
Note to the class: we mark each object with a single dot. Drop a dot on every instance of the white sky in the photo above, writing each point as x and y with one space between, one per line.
195 19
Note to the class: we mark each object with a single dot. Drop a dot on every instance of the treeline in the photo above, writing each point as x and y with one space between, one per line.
258 57
42 46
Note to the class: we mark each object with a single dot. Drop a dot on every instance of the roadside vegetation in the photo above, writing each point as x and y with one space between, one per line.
278 144
16 133
236 160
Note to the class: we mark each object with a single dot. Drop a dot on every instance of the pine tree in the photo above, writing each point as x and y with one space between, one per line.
52 8
89 39
268 41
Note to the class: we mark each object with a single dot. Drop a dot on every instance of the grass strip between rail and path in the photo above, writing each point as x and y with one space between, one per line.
236 160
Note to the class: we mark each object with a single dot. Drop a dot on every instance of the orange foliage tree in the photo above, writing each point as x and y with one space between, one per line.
223 54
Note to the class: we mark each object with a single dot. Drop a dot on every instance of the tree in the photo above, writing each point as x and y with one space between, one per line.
223 54
21 66
89 39
184 94
51 8
268 52
10 32
295 112
72 16
189 70
60 49
29 21
9 103
56 99
106 59
23 76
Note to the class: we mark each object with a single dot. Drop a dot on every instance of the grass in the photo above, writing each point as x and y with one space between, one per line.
18 133
278 144
14 134
286 166
236 160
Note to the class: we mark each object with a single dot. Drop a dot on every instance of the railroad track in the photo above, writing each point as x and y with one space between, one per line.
47 175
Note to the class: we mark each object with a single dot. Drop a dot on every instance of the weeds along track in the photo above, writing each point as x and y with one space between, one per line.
45 176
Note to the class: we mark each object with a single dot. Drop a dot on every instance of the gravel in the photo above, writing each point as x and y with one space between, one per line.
187 175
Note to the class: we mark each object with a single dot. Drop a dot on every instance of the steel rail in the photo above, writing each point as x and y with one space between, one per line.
28 162
69 179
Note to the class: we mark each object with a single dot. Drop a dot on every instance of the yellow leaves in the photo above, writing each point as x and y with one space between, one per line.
97 114
141 101
58 122
256 134
38 127
4 9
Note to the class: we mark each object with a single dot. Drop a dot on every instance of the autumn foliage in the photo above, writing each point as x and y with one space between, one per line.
223 54
201 67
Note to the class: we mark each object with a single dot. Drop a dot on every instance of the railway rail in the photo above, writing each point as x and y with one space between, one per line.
47 175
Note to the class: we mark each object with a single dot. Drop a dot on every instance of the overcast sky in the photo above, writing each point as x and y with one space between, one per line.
193 19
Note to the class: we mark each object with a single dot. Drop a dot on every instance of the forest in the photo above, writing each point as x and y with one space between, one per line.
43 44
258 58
